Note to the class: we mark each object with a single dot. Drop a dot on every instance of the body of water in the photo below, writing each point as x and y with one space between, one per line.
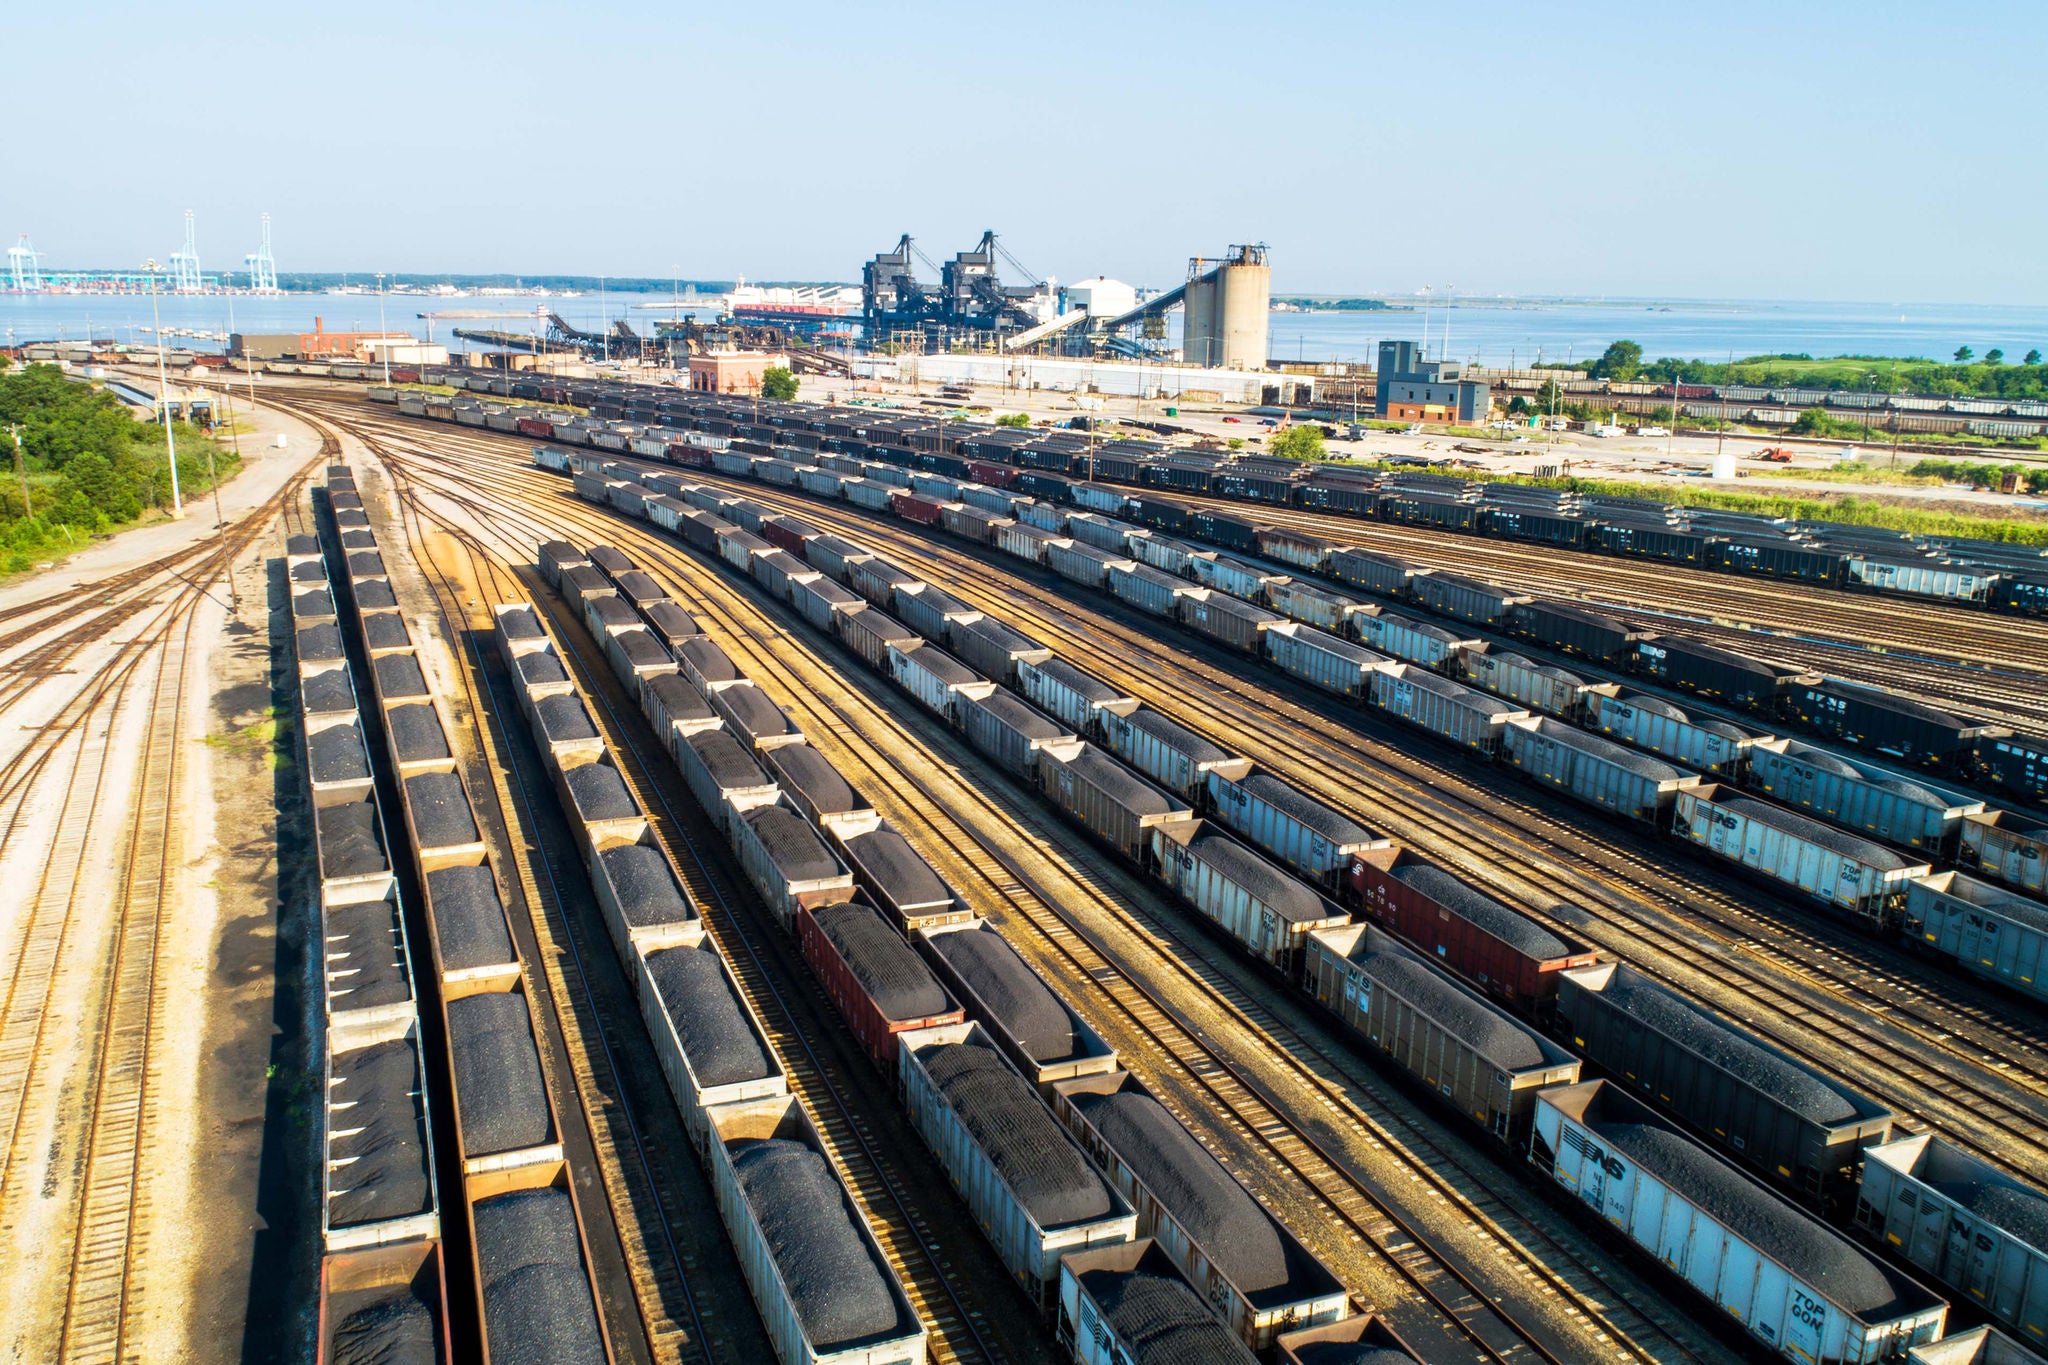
1490 332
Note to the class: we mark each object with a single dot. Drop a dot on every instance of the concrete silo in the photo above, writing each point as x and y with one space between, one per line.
1227 310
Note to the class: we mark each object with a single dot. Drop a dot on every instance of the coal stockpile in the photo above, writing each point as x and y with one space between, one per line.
362 957
893 865
537 1304
540 668
319 644
520 623
1817 1256
1018 1135
1519 932
807 771
336 754
797 851
2021 1212
387 1327
707 1017
1160 1321
1814 832
1015 994
326 692
384 630
1225 1221
599 793
469 919
375 595
1657 1008
564 718
416 734
1289 897
894 977
375 1140
1485 1032
398 675
1350 1353
440 810
349 846
504 1105
646 888
839 1293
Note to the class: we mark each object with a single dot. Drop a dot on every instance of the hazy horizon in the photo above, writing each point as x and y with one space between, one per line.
1828 153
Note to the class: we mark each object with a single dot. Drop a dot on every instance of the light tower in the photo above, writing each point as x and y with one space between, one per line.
22 270
262 266
185 264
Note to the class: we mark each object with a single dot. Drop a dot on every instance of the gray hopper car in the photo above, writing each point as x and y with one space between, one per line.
1597 771
1263 908
1988 929
787 862
1131 1305
1041 1035
1106 798
1859 797
1766 1107
712 1046
2008 846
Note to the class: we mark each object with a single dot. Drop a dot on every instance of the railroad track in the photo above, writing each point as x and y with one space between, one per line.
79 1015
2002 1077
1343 1197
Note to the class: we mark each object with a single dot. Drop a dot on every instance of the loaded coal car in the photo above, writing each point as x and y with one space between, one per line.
1875 718
1518 678
1426 509
1505 952
1768 557
1375 572
1367 1340
1766 1107
1575 630
1268 912
1538 525
1721 674
1986 929
1599 772
1485 1063
1656 725
1468 599
384 1302
2017 763
1648 539
878 984
1030 1188
712 1046
1040 1033
825 1292
1106 798
1798 1287
1859 797
1289 826
531 1269
1963 1221
1322 659
2008 846
1842 870
1252 1272
1220 528
1131 1305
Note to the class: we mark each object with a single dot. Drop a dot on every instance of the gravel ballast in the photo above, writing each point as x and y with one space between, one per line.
840 1294
1654 1007
1016 995
362 956
1519 932
375 1142
1018 1135
504 1106
1224 1220
1496 1039
646 889
1818 1256
469 919
1160 1321
537 1304
698 998
893 976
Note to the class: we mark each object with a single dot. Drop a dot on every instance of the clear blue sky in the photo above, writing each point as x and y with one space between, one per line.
1869 151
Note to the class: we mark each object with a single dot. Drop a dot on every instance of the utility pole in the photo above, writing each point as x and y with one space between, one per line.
20 468
163 385
383 342
220 521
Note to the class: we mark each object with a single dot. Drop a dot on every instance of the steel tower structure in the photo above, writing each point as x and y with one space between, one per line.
262 266
23 271
185 277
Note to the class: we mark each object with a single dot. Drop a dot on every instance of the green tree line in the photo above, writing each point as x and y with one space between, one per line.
85 466
1965 375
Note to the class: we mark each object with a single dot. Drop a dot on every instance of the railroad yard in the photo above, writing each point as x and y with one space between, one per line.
620 874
